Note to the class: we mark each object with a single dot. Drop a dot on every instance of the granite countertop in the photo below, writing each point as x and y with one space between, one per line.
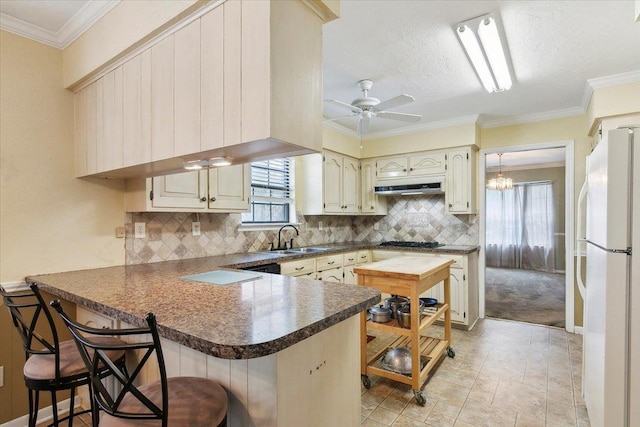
239 321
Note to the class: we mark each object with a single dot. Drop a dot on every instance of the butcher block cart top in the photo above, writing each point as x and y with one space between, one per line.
409 277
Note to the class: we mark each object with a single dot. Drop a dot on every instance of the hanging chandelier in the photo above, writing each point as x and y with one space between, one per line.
500 183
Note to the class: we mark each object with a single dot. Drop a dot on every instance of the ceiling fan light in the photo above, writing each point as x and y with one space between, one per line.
470 43
488 32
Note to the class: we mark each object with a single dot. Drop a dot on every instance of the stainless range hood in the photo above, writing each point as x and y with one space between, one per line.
409 187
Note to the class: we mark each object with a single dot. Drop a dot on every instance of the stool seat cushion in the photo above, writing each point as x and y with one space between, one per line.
193 402
43 366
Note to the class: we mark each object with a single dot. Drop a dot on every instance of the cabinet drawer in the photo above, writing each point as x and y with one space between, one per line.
458 260
309 275
364 257
327 262
298 268
350 258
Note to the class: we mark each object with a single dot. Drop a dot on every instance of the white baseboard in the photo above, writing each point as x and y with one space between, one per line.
578 330
44 414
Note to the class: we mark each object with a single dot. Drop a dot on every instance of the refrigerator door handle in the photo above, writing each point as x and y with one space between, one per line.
611 251
583 193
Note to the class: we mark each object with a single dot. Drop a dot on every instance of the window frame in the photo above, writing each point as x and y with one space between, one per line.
289 202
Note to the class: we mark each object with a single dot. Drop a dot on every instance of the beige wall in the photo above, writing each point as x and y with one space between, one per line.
334 141
432 139
613 101
49 221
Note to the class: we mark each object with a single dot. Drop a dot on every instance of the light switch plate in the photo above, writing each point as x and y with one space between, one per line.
140 231
195 228
320 225
120 232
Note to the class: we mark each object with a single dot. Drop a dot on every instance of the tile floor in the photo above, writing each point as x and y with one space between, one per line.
504 374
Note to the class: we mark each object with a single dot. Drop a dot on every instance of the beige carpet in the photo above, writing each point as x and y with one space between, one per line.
525 296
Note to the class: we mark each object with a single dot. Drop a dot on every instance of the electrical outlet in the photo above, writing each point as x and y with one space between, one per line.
320 225
195 228
376 226
1 376
119 232
140 231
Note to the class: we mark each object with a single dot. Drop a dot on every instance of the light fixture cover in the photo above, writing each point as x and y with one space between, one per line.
481 40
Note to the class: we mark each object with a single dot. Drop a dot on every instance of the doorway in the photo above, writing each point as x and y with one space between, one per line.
526 234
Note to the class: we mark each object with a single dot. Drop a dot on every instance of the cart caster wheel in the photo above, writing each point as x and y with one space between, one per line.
366 382
451 352
420 399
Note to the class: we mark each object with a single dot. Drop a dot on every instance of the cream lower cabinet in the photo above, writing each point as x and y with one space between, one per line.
464 284
275 390
351 260
223 189
330 268
300 268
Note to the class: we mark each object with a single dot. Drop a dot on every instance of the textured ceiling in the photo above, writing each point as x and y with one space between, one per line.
410 47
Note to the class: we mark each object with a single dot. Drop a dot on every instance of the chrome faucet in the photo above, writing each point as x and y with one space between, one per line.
280 242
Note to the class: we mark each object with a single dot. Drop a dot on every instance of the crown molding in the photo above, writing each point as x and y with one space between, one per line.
340 129
536 117
607 81
457 121
74 28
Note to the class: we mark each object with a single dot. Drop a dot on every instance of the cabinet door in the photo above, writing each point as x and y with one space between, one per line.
457 295
392 168
181 190
334 275
162 99
332 183
85 131
229 188
187 89
136 109
110 147
349 276
211 78
350 185
368 179
427 164
458 185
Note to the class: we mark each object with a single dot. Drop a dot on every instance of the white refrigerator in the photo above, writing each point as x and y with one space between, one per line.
611 370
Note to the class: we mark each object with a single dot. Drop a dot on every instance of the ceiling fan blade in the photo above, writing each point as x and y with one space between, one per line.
343 105
394 102
403 117
363 124
331 119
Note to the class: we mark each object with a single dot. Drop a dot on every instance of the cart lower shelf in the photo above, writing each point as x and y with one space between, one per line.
431 350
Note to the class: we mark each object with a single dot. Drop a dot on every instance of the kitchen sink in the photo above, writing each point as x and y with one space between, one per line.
305 250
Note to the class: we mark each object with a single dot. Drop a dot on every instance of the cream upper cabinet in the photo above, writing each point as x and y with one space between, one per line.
394 167
229 188
223 189
460 191
427 164
370 203
335 176
227 83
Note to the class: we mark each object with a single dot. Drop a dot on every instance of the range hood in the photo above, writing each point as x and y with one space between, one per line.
412 186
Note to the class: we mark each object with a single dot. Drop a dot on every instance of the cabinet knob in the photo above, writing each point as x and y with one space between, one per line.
410 169
404 170
371 207
203 199
450 205
213 199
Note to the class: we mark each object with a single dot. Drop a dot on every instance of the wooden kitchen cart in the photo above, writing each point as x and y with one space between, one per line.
409 277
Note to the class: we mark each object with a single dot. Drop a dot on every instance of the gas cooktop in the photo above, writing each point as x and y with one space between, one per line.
425 245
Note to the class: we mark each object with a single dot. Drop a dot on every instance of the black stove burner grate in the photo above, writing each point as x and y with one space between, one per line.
425 245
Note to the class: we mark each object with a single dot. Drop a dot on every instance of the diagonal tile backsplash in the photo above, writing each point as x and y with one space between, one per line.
417 218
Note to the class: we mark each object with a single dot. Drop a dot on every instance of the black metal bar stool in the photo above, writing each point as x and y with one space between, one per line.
50 365
175 402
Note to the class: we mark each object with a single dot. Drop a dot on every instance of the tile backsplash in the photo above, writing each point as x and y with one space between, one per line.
418 218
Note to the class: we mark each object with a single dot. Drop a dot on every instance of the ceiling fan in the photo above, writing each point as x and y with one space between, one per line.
368 106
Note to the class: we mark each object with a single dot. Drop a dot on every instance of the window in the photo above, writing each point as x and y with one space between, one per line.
271 192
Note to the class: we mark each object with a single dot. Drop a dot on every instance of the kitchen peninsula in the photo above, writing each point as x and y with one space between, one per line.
286 348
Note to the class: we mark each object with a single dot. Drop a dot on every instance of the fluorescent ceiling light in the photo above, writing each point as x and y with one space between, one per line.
481 40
